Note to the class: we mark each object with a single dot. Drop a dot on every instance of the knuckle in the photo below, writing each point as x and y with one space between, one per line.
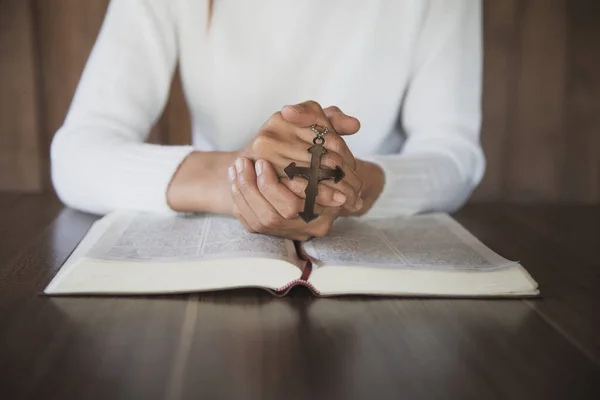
274 122
333 160
270 220
275 119
256 226
313 105
237 214
257 229
263 186
333 109
244 187
326 194
262 143
236 194
358 190
336 144
289 213
295 185
359 185
262 229
246 225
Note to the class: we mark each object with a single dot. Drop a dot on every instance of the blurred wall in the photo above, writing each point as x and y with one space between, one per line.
541 130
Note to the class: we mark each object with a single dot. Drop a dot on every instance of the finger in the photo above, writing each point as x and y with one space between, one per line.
331 213
278 195
294 228
353 201
241 218
306 114
246 181
349 186
241 209
334 144
299 152
326 196
344 192
309 113
342 123
332 161
321 226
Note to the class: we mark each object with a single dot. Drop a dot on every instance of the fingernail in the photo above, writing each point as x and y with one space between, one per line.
239 165
297 108
259 167
359 203
339 198
231 173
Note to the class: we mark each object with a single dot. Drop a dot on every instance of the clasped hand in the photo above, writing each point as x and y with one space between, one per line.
268 202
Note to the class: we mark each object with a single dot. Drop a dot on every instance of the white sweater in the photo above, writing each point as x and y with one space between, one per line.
410 70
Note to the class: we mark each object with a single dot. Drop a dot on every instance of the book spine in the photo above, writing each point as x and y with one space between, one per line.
282 291
303 280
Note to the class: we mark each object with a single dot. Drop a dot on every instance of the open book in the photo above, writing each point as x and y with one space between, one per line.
428 255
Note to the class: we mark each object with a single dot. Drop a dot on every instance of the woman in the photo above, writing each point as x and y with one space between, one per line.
416 64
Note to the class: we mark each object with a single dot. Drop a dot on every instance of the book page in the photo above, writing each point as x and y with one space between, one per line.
184 237
432 241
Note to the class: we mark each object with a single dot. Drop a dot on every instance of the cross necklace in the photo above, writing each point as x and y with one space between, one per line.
314 173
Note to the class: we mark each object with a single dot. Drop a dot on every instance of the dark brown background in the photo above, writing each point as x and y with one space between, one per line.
541 128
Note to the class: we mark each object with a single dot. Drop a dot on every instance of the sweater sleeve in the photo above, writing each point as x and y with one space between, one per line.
442 160
99 159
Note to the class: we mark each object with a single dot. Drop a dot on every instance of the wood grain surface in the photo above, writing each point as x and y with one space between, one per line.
20 149
246 344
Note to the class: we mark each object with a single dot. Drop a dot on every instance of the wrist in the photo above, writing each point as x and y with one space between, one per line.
200 183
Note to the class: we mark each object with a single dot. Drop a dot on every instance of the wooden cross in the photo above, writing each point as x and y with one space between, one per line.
314 174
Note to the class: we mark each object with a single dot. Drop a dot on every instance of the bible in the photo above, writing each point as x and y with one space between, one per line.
426 255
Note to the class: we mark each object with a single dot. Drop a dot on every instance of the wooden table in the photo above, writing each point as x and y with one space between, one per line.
249 345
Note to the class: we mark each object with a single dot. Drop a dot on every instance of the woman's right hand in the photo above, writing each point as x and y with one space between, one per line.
286 137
